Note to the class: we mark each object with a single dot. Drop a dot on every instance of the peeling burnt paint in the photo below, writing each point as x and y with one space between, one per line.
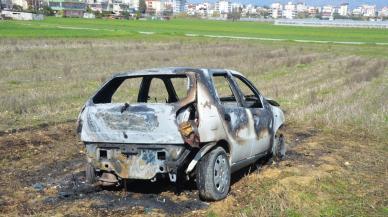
132 136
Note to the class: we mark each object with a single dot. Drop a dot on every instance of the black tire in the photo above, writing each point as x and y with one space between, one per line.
90 174
279 147
213 175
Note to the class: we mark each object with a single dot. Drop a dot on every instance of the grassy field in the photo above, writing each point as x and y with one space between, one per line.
334 96
59 27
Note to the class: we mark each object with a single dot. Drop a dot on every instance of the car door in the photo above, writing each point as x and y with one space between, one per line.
253 101
237 120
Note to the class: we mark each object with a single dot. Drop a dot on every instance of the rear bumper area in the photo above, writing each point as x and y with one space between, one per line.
135 161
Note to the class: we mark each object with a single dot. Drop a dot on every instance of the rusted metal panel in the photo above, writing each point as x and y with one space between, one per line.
141 162
140 123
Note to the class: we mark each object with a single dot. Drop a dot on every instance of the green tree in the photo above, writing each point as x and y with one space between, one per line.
142 6
47 11
89 10
138 15
17 8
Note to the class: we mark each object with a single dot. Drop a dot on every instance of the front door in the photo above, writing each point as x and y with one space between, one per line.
237 120
262 117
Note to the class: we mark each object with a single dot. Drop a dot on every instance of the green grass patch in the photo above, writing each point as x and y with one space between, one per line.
53 27
293 213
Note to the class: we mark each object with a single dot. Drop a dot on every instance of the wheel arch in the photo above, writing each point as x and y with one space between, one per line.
206 149
278 118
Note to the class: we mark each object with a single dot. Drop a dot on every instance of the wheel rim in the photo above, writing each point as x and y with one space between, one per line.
221 173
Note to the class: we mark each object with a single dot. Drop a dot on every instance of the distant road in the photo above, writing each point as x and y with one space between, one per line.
333 23
294 40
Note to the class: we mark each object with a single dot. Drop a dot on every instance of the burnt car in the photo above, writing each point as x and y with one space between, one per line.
181 123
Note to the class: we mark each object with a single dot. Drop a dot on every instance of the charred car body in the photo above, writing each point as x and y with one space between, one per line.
184 123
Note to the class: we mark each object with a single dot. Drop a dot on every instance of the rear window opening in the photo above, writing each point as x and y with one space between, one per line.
144 89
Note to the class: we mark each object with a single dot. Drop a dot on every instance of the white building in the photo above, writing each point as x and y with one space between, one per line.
301 7
134 4
153 6
369 10
384 12
224 6
276 9
202 9
21 15
249 9
289 11
277 6
312 10
343 9
357 11
327 11
116 8
178 6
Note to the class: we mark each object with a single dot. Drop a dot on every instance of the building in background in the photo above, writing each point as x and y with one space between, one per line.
153 6
68 8
224 6
369 10
276 10
384 12
327 12
178 6
344 9
357 11
312 11
289 11
134 4
301 7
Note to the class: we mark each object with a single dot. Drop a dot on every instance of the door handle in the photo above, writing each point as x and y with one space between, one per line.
227 117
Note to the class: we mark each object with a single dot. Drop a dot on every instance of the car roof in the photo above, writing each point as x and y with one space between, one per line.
170 71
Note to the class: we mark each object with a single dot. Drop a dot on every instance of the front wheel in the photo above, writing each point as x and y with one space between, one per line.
213 175
279 147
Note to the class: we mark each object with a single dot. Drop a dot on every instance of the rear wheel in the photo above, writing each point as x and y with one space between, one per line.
213 175
90 173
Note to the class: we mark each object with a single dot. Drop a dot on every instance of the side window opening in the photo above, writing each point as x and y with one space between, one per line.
128 91
181 86
250 97
224 90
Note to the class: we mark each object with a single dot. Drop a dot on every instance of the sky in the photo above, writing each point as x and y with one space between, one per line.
352 3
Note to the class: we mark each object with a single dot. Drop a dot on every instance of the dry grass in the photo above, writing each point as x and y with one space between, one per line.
336 94
48 80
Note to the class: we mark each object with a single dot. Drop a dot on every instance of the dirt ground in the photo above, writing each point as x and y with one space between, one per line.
43 175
